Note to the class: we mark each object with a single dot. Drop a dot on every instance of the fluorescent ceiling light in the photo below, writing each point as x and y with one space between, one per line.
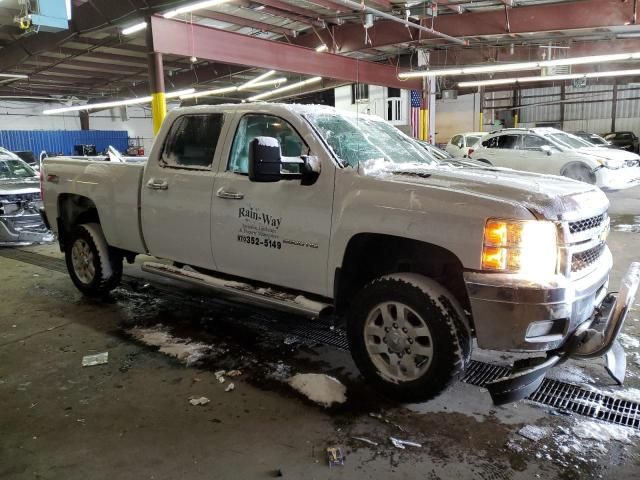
245 86
13 75
549 78
513 67
322 48
115 103
192 7
134 28
259 78
266 83
284 89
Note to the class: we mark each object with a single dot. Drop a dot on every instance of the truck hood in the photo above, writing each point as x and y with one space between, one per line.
547 196
19 185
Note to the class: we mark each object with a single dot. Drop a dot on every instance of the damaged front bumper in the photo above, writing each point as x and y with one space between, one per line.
23 228
593 338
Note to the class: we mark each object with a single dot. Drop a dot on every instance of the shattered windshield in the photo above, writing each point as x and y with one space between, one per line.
568 141
10 169
361 139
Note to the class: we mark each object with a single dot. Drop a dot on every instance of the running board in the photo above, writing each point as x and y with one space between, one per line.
265 297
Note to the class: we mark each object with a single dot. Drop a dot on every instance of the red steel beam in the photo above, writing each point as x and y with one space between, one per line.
179 38
583 14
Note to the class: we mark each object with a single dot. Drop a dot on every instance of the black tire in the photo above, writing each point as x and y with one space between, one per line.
428 303
580 172
104 267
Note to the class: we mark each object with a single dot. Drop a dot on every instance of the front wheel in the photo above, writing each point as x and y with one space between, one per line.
581 173
408 337
93 267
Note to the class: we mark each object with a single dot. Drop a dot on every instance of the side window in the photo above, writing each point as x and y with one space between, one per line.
252 126
509 142
491 142
457 141
533 142
192 141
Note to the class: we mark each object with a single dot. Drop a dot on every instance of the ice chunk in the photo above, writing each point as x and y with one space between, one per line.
319 388
268 142
603 432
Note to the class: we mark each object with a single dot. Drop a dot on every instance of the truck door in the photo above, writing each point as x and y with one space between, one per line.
277 232
177 189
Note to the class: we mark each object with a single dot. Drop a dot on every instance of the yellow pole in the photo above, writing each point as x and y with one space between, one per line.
481 125
516 120
425 126
158 110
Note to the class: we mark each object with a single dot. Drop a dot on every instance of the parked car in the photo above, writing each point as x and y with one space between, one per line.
312 210
20 201
624 140
460 145
552 151
594 139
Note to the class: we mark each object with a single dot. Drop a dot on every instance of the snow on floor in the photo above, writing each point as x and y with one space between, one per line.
628 342
319 388
571 374
180 348
603 432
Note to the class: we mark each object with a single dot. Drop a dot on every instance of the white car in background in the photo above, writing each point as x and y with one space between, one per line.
460 145
552 151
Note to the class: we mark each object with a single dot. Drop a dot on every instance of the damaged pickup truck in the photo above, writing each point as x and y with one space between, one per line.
20 220
312 210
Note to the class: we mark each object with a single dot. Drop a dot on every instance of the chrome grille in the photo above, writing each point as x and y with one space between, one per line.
586 224
582 260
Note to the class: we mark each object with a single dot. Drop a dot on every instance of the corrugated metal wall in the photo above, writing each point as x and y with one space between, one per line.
589 108
62 141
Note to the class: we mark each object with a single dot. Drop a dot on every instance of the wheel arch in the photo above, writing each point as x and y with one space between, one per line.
368 256
74 209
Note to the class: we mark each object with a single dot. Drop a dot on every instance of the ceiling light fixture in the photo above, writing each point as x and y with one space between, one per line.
284 89
513 67
192 7
13 75
115 103
134 28
245 86
322 48
549 78
259 78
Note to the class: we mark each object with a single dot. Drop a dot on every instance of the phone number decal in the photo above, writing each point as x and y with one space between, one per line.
261 242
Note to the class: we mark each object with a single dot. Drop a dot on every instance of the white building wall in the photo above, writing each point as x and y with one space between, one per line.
376 104
16 115
456 116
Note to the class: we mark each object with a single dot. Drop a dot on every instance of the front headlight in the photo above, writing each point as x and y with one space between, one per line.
529 247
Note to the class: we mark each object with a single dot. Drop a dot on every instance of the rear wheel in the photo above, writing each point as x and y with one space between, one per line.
93 267
407 337
582 173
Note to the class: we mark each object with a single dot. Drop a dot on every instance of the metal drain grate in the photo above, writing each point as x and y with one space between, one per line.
565 396
560 395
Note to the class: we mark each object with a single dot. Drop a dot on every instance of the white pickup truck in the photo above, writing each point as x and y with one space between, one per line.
313 210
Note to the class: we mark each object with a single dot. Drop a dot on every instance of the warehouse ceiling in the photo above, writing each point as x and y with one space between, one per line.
94 59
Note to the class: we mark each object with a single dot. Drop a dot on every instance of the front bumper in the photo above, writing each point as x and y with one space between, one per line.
512 313
594 338
23 228
617 179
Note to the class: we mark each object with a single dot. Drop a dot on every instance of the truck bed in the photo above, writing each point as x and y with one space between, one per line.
113 187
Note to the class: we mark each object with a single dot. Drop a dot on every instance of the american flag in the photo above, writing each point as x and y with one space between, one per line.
416 105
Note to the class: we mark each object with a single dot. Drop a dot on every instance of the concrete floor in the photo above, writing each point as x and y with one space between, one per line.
131 418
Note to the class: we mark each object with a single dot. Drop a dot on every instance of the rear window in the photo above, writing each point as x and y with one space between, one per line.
192 141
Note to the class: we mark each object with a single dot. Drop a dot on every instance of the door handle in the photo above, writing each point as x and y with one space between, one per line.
158 185
222 193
